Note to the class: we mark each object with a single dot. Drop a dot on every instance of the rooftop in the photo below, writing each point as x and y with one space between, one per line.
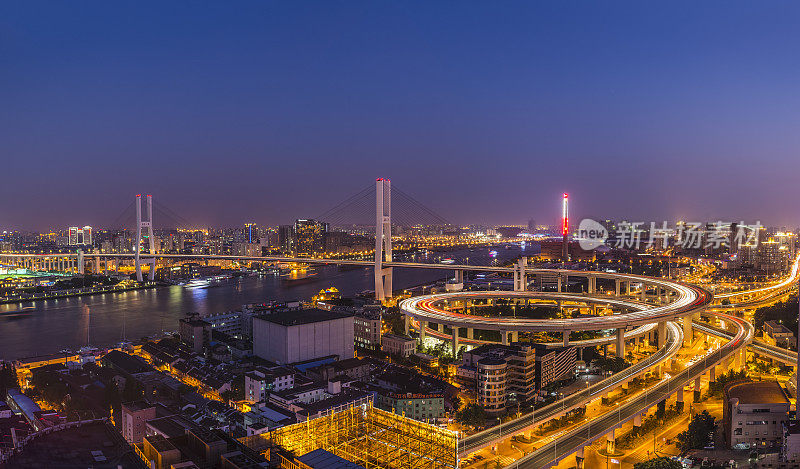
757 392
321 459
135 406
96 445
303 316
397 337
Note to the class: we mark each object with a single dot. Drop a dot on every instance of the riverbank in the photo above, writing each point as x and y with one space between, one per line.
73 293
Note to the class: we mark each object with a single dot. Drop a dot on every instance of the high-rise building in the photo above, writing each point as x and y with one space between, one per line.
309 237
250 232
87 235
78 236
73 235
286 239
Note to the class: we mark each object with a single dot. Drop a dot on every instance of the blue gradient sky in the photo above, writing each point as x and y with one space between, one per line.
268 111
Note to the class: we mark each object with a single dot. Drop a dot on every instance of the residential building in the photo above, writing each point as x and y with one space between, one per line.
401 345
778 334
353 368
135 415
502 374
259 382
367 324
554 363
195 332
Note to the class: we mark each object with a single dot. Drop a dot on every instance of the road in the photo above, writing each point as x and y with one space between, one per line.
584 434
514 427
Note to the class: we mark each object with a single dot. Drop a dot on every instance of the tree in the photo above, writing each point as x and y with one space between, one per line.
473 414
658 463
111 395
132 391
661 409
783 311
614 365
698 434
8 377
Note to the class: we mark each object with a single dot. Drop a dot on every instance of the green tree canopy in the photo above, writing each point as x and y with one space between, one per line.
658 463
698 434
472 414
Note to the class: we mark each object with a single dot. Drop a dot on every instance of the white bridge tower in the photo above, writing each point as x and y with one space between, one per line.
148 225
383 238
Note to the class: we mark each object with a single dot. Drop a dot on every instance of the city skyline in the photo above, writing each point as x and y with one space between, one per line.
487 114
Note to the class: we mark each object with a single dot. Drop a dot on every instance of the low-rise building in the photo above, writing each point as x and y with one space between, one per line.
259 382
401 345
754 414
407 393
778 334
353 368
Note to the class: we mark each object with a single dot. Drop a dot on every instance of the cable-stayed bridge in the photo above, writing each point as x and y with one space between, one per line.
378 207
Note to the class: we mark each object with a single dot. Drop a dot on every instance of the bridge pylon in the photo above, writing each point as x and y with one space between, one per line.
148 226
383 238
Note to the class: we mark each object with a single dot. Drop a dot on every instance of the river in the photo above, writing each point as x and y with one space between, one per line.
104 319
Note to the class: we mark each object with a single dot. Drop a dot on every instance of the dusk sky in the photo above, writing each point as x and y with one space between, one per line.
264 111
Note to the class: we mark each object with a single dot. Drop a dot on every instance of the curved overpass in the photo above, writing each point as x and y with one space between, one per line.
491 435
582 435
690 300
785 285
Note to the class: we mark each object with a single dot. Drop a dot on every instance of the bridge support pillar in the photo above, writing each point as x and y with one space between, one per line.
628 287
643 292
148 226
383 238
455 341
621 342
80 262
591 285
515 336
616 287
407 322
423 325
611 442
558 283
504 337
565 336
679 399
657 371
712 374
459 277
696 389
637 423
520 278
687 330
662 333
470 333
579 458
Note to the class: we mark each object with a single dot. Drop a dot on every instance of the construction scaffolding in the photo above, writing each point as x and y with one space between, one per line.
367 436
